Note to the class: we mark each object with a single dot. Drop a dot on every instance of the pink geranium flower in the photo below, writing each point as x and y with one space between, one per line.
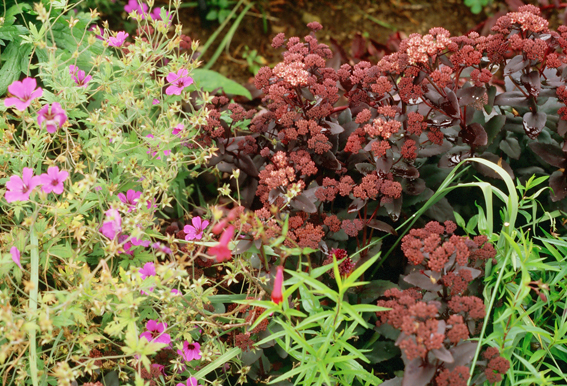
195 231
16 256
113 225
143 243
155 102
178 129
99 31
118 40
79 76
192 381
23 93
54 117
156 14
179 80
221 250
20 188
131 198
140 8
149 269
190 351
156 333
52 181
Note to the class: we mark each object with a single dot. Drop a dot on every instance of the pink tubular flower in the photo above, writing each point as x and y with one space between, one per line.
113 225
24 92
79 76
221 250
192 381
277 292
179 80
118 40
195 231
54 117
131 198
16 256
52 181
20 188
156 333
190 351
134 5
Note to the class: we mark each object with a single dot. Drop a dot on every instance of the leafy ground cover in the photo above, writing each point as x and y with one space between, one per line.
395 219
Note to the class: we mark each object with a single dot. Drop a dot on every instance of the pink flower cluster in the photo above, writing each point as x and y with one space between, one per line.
20 188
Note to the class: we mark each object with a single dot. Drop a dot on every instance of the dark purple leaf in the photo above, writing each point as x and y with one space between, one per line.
451 104
443 354
441 211
225 167
432 149
274 194
244 162
474 135
365 167
491 95
511 147
534 123
474 272
423 281
470 95
418 373
384 163
356 205
551 154
562 128
463 354
334 128
452 159
515 64
512 99
532 82
414 187
328 160
558 182
375 289
382 226
242 246
303 203
358 46
394 209
408 171
485 170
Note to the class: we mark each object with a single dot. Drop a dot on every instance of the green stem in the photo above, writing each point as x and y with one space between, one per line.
33 303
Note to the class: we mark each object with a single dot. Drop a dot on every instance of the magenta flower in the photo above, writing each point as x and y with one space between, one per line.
134 5
175 291
19 189
221 250
52 181
156 14
190 351
143 243
178 129
16 256
118 40
99 31
179 81
24 92
195 231
155 102
161 248
53 116
192 381
149 269
156 333
113 225
79 76
131 198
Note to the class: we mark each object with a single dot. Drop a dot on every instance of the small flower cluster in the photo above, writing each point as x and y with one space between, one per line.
443 272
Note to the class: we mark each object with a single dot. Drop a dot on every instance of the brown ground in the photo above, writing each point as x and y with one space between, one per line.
341 19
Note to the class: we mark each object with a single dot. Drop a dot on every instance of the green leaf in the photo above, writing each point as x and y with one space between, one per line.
217 363
210 81
15 55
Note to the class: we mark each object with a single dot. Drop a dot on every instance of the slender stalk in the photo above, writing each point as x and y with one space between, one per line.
33 304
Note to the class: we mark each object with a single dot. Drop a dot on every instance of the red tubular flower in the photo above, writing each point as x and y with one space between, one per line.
277 293
221 250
